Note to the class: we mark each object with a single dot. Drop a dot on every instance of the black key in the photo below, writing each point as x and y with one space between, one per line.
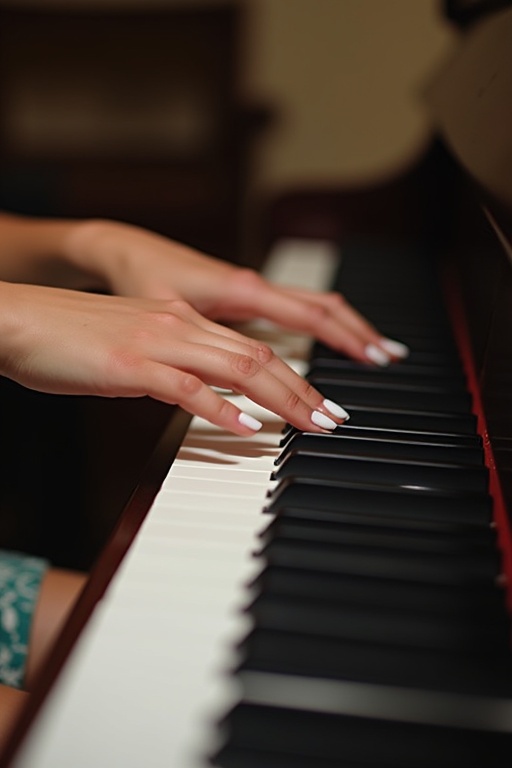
294 653
343 444
458 569
483 600
263 736
469 541
325 357
440 329
375 518
435 343
383 471
378 501
349 430
399 397
392 376
376 625
412 421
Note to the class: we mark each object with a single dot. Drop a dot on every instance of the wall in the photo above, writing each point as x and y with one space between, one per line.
345 77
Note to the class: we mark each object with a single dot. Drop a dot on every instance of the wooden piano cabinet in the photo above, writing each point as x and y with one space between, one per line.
69 466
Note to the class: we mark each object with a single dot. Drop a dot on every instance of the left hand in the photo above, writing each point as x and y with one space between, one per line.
135 262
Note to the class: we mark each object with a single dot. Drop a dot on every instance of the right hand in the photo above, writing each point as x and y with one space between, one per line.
69 342
131 261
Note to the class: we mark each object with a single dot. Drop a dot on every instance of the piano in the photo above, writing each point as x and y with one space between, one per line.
302 601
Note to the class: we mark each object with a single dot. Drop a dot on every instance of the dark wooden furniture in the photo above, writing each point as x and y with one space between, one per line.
131 113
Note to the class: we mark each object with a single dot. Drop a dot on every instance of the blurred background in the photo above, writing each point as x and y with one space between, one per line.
219 123
192 117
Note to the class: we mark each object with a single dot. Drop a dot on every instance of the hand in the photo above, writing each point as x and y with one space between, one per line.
134 262
69 342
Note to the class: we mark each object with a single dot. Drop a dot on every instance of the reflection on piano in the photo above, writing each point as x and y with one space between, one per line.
306 601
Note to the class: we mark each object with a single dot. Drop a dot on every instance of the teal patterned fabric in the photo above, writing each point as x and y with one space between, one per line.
20 581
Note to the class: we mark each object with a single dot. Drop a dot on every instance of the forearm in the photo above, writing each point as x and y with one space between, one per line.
35 250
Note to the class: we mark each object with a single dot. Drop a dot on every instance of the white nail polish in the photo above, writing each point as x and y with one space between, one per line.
395 348
336 410
249 421
321 420
377 355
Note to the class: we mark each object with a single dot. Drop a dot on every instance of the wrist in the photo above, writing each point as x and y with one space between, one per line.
89 246
34 250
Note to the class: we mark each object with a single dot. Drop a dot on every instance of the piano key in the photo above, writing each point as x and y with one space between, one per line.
407 398
348 429
410 420
293 653
394 375
179 595
483 599
279 730
409 503
383 471
468 540
384 446
360 560
371 624
391 521
178 588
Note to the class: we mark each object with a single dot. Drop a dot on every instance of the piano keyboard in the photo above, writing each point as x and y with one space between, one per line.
304 600
147 677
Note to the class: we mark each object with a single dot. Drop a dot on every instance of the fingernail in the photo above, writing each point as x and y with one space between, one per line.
395 348
321 420
377 355
249 421
336 410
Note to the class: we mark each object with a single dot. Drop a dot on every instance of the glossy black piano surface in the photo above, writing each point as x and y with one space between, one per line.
381 606
381 632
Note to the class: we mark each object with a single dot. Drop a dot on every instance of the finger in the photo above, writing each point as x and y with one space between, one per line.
227 361
176 387
348 316
194 368
210 334
331 320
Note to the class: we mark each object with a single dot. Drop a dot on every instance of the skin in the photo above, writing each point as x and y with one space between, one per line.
160 331
60 589
160 334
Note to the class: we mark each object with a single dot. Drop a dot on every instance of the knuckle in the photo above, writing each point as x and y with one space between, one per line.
166 320
292 401
308 391
264 354
317 315
247 278
179 306
122 360
224 409
173 312
245 283
336 300
245 365
189 385
142 334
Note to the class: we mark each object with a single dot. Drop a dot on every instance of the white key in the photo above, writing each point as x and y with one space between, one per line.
148 674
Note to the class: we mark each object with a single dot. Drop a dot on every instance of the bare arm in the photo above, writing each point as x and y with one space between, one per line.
70 342
34 251
135 262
